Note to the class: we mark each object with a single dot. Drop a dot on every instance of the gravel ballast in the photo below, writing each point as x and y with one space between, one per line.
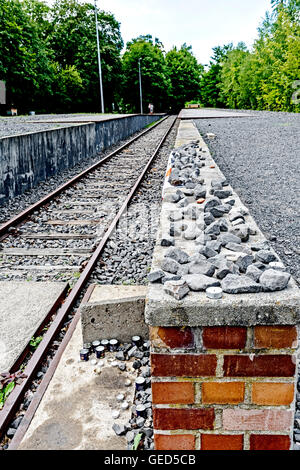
260 158
15 125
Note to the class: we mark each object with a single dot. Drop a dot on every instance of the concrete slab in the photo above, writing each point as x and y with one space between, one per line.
114 311
207 113
281 307
75 411
23 307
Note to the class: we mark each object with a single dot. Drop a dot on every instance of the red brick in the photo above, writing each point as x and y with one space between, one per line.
178 442
259 366
275 337
173 392
172 337
183 365
272 393
222 442
269 442
257 420
224 337
223 392
189 418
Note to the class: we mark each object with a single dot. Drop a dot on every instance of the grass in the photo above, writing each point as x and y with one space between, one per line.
152 123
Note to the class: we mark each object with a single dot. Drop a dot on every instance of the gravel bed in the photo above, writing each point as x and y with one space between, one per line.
127 257
109 184
21 202
259 156
15 125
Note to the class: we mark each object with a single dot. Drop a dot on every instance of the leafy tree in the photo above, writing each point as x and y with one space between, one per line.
66 88
73 41
25 62
266 77
155 82
278 54
291 7
210 82
48 58
232 93
185 74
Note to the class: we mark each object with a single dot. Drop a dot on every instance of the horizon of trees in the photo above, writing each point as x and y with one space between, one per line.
48 59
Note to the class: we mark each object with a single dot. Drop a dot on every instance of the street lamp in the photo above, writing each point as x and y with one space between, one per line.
140 79
99 59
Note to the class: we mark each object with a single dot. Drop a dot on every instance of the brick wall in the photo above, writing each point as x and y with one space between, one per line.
223 388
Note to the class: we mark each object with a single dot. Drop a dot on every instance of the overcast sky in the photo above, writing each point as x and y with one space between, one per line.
203 24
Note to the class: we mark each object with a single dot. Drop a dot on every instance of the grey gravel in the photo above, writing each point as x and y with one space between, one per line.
200 282
259 157
239 284
21 124
273 280
265 256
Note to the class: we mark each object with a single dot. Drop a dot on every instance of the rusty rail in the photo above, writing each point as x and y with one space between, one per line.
15 398
19 218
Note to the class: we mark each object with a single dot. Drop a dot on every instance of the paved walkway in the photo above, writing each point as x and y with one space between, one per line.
206 113
76 409
77 118
23 307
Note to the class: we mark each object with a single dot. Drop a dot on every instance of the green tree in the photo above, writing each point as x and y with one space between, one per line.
278 53
291 7
66 87
232 91
25 62
210 82
266 77
155 81
73 41
184 73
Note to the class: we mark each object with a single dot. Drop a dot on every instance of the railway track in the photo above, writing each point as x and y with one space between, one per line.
62 237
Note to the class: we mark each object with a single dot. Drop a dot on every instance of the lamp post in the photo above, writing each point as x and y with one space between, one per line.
99 59
140 80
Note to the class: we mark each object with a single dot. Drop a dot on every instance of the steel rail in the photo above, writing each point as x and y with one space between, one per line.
16 396
16 220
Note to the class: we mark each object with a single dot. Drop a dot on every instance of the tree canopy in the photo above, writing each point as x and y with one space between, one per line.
154 77
48 59
185 74
266 76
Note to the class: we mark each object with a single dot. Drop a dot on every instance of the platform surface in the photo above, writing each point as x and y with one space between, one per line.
207 113
76 409
279 307
79 118
23 306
